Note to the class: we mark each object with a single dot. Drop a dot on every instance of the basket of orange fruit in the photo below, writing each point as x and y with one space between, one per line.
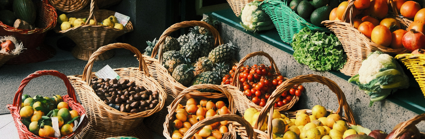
317 122
39 117
254 85
364 26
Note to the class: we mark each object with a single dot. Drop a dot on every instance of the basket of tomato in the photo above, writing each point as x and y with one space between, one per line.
254 85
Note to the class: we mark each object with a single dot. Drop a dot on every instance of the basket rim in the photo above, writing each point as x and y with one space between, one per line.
72 8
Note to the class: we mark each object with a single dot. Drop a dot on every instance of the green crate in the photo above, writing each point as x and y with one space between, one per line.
287 22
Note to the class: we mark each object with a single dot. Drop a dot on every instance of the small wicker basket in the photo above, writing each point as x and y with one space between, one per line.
69 6
243 102
90 37
5 56
288 84
104 117
415 63
356 44
237 5
71 99
411 122
89 132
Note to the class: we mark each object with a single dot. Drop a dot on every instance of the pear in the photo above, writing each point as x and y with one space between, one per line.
340 125
302 119
278 126
249 113
65 26
78 22
113 19
349 132
71 20
313 133
335 134
63 18
91 22
318 111
119 26
108 22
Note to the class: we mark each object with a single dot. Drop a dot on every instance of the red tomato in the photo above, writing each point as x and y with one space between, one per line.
255 66
288 98
280 77
256 100
263 66
284 93
262 103
278 99
248 93
280 82
261 84
267 95
298 93
263 72
256 76
275 105
265 88
252 71
267 83
279 103
228 82
275 82
301 88
284 102
242 80
253 90
250 76
295 86
258 71
258 93
246 87
292 91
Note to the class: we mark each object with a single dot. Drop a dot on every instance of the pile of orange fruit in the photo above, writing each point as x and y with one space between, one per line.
195 111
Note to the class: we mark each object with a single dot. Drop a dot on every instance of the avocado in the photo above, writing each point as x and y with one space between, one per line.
294 4
319 3
7 17
319 15
305 9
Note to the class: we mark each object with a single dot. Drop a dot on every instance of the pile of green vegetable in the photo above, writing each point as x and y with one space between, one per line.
318 50
380 75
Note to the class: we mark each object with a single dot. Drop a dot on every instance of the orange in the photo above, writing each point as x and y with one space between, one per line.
390 23
374 21
381 35
409 9
187 125
224 110
397 37
191 101
333 15
357 22
217 134
210 113
225 122
36 116
219 104
378 8
73 113
420 16
182 117
417 26
66 130
191 108
183 130
223 129
210 105
193 120
46 131
362 4
200 117
341 9
201 111
62 105
399 3
203 102
26 112
366 28
178 124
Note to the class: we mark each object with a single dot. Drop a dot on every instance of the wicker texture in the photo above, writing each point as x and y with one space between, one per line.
69 6
243 102
288 84
91 133
237 5
35 51
415 63
5 56
104 117
356 45
411 122
286 21
90 37
192 92
71 99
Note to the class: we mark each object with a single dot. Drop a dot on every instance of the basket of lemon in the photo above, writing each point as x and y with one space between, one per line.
39 117
303 123
88 34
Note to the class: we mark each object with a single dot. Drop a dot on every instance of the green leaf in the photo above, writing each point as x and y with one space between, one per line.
72 120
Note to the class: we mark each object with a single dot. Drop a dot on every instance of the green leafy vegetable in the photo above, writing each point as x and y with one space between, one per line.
318 50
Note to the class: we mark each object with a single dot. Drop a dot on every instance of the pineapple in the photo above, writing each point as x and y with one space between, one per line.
192 49
172 59
208 77
223 53
222 69
149 48
170 43
203 64
210 20
170 54
183 39
183 74
207 44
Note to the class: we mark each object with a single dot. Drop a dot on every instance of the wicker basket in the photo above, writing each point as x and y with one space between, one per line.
411 122
288 84
90 37
69 6
416 64
71 99
104 117
286 21
237 5
192 93
356 44
5 56
90 133
36 50
243 102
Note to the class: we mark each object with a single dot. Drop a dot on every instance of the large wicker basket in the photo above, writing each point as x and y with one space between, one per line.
104 117
91 133
411 122
288 84
6 56
69 5
90 37
416 64
237 5
243 102
36 50
356 44
71 99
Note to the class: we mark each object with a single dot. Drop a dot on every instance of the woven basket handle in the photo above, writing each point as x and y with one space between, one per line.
184 24
412 122
195 89
210 120
93 6
288 84
17 99
89 66
236 82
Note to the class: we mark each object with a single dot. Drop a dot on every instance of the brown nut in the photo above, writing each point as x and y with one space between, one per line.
135 104
132 83
141 108
122 107
123 81
114 93
114 81
150 98
127 108
147 108
115 85
144 96
124 86
149 92
107 94
119 92
134 110
136 89
142 88
148 101
111 89
155 102
107 80
137 97
143 103
132 92
118 100
130 97
106 101
131 89
151 106
126 92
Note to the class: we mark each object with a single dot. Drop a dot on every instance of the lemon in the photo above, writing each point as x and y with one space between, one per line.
119 26
318 111
323 120
29 102
302 119
108 22
33 127
278 126
332 118
327 129
249 113
26 112
113 19
276 114
312 117
349 132
78 22
326 137
322 130
340 125
92 22
309 126
294 129
290 135
71 20
313 133
65 26
335 134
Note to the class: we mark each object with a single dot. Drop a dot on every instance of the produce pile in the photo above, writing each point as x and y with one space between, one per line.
195 111
318 50
370 18
258 82
192 59
313 11
124 95
37 113
379 76
20 14
72 22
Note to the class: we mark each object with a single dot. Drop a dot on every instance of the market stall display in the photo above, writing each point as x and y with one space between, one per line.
37 22
89 37
9 48
29 113
107 118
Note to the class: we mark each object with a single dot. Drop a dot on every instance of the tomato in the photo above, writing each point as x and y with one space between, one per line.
280 77
266 83
275 105
298 93
381 35
250 77
279 103
262 103
255 66
280 82
265 88
278 99
267 95
301 88
248 93
242 80
275 82
256 76
264 72
285 102
292 91
228 82
258 71
284 93
234 67
260 84
256 100
246 87
288 98
253 90
295 86
263 66
258 93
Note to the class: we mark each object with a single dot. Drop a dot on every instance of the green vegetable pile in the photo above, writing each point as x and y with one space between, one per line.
317 50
